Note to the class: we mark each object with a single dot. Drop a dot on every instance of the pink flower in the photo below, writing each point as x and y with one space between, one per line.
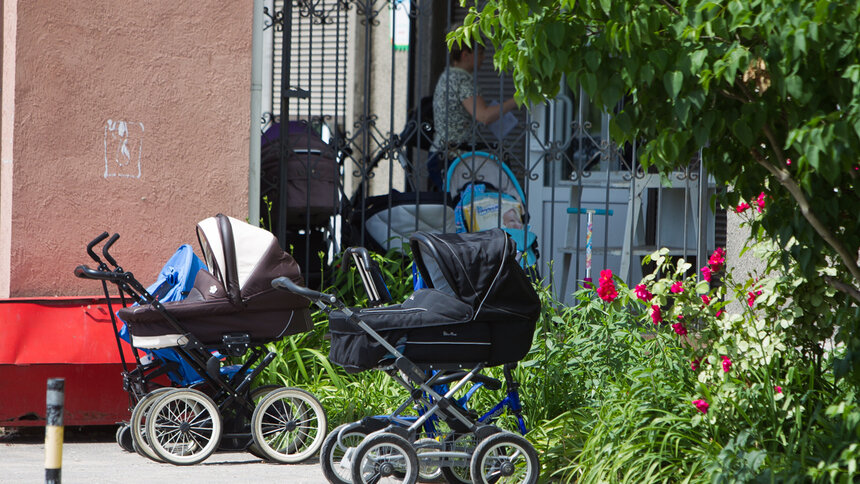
606 290
643 293
788 162
706 299
677 287
680 329
694 365
727 364
719 313
656 314
701 405
742 207
718 258
778 389
751 297
706 273
760 202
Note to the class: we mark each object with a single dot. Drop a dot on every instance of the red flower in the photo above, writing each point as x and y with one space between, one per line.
742 207
677 287
706 273
719 313
656 314
727 364
706 299
694 365
718 258
701 405
760 202
680 329
778 389
643 293
751 297
607 290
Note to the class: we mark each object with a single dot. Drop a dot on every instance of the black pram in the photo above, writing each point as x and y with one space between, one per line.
481 308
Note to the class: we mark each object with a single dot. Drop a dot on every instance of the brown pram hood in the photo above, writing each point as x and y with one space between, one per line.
234 296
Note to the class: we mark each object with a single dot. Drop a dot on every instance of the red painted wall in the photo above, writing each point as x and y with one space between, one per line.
130 117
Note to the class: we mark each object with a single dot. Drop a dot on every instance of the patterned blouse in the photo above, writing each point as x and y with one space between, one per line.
451 121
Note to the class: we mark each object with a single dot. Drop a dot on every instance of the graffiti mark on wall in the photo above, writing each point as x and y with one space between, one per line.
123 148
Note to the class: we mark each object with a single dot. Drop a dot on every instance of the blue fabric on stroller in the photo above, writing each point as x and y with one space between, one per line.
174 281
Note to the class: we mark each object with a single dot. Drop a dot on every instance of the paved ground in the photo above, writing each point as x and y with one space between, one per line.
90 455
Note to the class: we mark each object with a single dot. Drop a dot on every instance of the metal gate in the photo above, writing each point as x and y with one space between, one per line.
347 73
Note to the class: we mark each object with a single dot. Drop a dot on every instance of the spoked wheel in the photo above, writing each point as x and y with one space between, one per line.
139 414
456 470
288 425
184 426
124 438
384 458
505 458
429 471
335 456
257 394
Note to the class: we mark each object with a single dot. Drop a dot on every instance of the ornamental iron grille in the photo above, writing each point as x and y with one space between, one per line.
348 72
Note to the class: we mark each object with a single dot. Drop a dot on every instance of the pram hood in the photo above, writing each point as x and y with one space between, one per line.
235 297
479 269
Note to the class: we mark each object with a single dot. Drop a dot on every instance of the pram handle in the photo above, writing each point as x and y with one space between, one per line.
361 252
107 247
286 284
85 272
92 244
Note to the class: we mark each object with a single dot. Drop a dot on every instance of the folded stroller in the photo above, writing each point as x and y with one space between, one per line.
479 310
231 310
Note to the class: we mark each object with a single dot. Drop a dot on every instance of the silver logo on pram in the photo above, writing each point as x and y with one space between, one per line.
448 333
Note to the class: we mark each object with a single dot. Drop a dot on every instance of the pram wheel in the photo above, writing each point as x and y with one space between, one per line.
429 471
288 425
184 426
333 453
140 443
505 457
384 458
124 438
456 470
257 394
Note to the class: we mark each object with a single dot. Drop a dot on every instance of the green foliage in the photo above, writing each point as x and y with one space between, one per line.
769 88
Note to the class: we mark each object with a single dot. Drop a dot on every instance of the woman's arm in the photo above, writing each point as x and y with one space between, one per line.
484 113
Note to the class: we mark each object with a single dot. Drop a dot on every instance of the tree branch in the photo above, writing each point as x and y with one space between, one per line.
850 290
784 179
670 7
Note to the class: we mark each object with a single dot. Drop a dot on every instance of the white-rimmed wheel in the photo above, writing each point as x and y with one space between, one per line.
384 458
124 438
256 395
505 458
140 443
288 425
184 426
336 455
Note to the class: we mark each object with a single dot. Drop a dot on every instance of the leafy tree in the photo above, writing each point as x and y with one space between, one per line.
769 88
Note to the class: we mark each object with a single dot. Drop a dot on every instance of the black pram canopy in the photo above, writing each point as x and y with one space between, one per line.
481 307
234 296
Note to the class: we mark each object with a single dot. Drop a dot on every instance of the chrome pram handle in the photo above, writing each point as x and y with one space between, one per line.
286 284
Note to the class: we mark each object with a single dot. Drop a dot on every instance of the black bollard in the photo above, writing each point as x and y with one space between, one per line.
54 430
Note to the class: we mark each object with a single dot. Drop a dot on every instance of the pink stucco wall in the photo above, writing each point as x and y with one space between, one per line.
177 74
